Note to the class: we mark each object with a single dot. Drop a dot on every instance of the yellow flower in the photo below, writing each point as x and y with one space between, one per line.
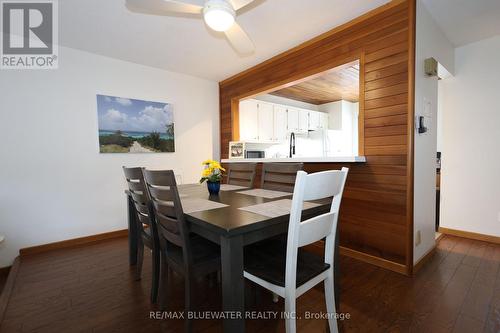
215 165
212 169
206 172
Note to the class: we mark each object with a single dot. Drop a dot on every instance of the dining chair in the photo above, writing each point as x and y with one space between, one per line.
241 174
145 236
189 255
280 176
290 271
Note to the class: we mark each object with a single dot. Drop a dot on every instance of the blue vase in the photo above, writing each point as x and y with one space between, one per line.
213 187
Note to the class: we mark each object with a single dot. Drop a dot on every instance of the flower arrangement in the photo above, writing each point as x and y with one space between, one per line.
212 172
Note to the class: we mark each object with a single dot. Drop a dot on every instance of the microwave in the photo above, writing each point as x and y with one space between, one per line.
255 154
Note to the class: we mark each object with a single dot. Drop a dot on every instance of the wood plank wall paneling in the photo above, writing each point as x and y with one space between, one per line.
377 213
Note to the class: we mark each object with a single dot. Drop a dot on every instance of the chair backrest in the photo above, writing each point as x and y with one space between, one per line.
241 174
314 186
138 193
280 176
167 210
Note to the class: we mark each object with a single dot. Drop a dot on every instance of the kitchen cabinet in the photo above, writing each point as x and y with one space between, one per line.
269 122
266 122
293 119
280 123
249 120
303 120
323 120
314 120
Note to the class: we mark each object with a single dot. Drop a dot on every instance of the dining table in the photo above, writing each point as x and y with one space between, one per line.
232 227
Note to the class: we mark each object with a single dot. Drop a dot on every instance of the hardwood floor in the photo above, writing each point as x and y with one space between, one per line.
91 289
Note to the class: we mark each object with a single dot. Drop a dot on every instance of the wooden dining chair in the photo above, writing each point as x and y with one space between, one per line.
290 272
187 254
145 236
280 176
241 174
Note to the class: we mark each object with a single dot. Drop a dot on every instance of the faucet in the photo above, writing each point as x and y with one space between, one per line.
292 144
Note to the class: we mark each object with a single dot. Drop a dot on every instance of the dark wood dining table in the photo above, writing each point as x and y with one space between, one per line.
233 229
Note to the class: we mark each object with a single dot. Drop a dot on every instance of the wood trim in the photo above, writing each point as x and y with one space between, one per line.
361 107
235 118
9 286
438 238
73 242
471 235
334 31
380 262
422 261
410 133
301 77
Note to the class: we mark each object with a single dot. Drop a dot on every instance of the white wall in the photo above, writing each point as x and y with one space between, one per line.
470 174
55 184
430 42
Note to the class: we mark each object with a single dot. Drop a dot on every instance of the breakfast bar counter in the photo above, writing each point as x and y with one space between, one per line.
328 159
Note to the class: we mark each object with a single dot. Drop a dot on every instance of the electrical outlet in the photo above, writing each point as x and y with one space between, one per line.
498 216
418 238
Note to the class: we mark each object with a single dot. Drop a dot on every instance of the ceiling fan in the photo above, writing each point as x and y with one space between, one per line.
219 15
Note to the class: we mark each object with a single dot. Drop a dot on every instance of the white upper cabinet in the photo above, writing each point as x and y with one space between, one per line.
303 120
323 120
314 120
280 123
293 120
249 120
266 122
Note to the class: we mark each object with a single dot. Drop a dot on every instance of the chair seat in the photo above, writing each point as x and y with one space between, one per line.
202 250
267 260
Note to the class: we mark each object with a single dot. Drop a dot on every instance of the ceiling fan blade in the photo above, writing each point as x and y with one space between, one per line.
238 4
162 7
239 39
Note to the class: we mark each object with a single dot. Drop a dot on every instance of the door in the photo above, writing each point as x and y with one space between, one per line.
314 121
266 122
280 123
303 120
323 120
249 120
293 119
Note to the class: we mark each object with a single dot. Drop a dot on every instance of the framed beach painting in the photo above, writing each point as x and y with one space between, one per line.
129 125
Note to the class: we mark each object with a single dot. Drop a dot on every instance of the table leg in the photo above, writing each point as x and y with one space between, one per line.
336 270
233 284
132 231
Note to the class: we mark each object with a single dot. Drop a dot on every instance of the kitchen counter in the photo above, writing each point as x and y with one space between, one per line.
329 159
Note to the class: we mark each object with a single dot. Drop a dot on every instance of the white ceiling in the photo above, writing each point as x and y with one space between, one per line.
186 45
466 21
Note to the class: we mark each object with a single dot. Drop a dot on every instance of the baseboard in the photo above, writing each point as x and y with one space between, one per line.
422 261
471 235
9 286
380 262
72 242
318 248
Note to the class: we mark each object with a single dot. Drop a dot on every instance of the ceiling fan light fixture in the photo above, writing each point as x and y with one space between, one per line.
219 15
